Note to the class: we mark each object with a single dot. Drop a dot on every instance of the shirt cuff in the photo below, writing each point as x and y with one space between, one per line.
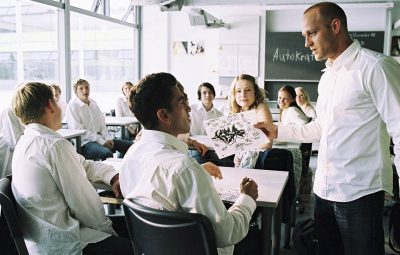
109 175
247 201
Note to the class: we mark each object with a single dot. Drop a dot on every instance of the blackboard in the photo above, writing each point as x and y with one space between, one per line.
288 60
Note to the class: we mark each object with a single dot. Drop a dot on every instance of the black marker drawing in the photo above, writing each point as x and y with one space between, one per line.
228 135
234 133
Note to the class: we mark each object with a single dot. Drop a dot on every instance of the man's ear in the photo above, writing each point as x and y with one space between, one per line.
51 106
336 25
163 116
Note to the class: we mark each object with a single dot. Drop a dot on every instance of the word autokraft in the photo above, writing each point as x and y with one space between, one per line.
285 55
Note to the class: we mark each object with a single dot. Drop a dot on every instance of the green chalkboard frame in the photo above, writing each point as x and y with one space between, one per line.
288 60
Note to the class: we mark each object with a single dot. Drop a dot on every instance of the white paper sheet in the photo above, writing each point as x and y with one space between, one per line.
234 133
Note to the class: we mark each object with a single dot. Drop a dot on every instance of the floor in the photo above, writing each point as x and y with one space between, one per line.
308 213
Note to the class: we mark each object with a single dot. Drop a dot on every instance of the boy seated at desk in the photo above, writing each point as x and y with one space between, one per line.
204 110
58 208
83 113
157 171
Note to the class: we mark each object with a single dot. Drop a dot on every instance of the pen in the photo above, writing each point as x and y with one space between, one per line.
246 180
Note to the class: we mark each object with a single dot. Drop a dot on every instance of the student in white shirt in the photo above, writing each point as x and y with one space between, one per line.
11 130
59 210
290 112
157 172
83 113
204 110
358 109
303 100
122 110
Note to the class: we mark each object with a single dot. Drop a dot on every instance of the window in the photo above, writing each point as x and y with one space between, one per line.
102 53
28 46
102 50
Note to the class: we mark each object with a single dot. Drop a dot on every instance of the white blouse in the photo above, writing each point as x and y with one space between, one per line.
293 115
122 109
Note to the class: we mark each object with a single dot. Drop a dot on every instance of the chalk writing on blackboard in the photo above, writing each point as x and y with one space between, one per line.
292 55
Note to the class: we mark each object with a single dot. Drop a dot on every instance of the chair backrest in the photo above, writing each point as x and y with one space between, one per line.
155 232
281 160
7 203
306 150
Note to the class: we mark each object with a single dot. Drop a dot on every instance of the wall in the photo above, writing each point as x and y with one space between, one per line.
155 38
160 29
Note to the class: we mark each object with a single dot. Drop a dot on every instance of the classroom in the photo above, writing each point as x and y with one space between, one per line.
97 55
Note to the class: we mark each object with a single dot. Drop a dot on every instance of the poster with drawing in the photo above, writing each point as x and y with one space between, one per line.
234 133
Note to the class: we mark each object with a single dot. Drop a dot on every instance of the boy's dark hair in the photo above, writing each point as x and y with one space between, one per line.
207 85
151 93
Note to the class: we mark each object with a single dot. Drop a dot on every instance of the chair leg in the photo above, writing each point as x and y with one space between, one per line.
288 230
288 226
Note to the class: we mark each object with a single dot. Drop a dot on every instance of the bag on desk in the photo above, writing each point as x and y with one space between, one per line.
304 238
394 228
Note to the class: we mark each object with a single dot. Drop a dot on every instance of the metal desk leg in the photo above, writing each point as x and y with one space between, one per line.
276 246
266 227
79 145
123 132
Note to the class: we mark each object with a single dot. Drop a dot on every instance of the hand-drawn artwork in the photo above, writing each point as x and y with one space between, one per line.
234 133
228 135
179 48
196 48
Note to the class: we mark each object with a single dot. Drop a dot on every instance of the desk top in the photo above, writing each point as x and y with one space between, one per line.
120 121
70 133
270 183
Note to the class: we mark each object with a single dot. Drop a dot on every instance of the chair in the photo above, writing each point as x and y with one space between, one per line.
7 203
305 186
155 232
282 160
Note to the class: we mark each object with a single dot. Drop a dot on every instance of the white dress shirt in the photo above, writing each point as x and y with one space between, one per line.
309 111
358 108
293 115
198 114
11 130
122 109
59 210
89 117
158 173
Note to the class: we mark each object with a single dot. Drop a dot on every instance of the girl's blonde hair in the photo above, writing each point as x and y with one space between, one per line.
306 95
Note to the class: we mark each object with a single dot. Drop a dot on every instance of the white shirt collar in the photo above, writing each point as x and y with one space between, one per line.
164 138
346 58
